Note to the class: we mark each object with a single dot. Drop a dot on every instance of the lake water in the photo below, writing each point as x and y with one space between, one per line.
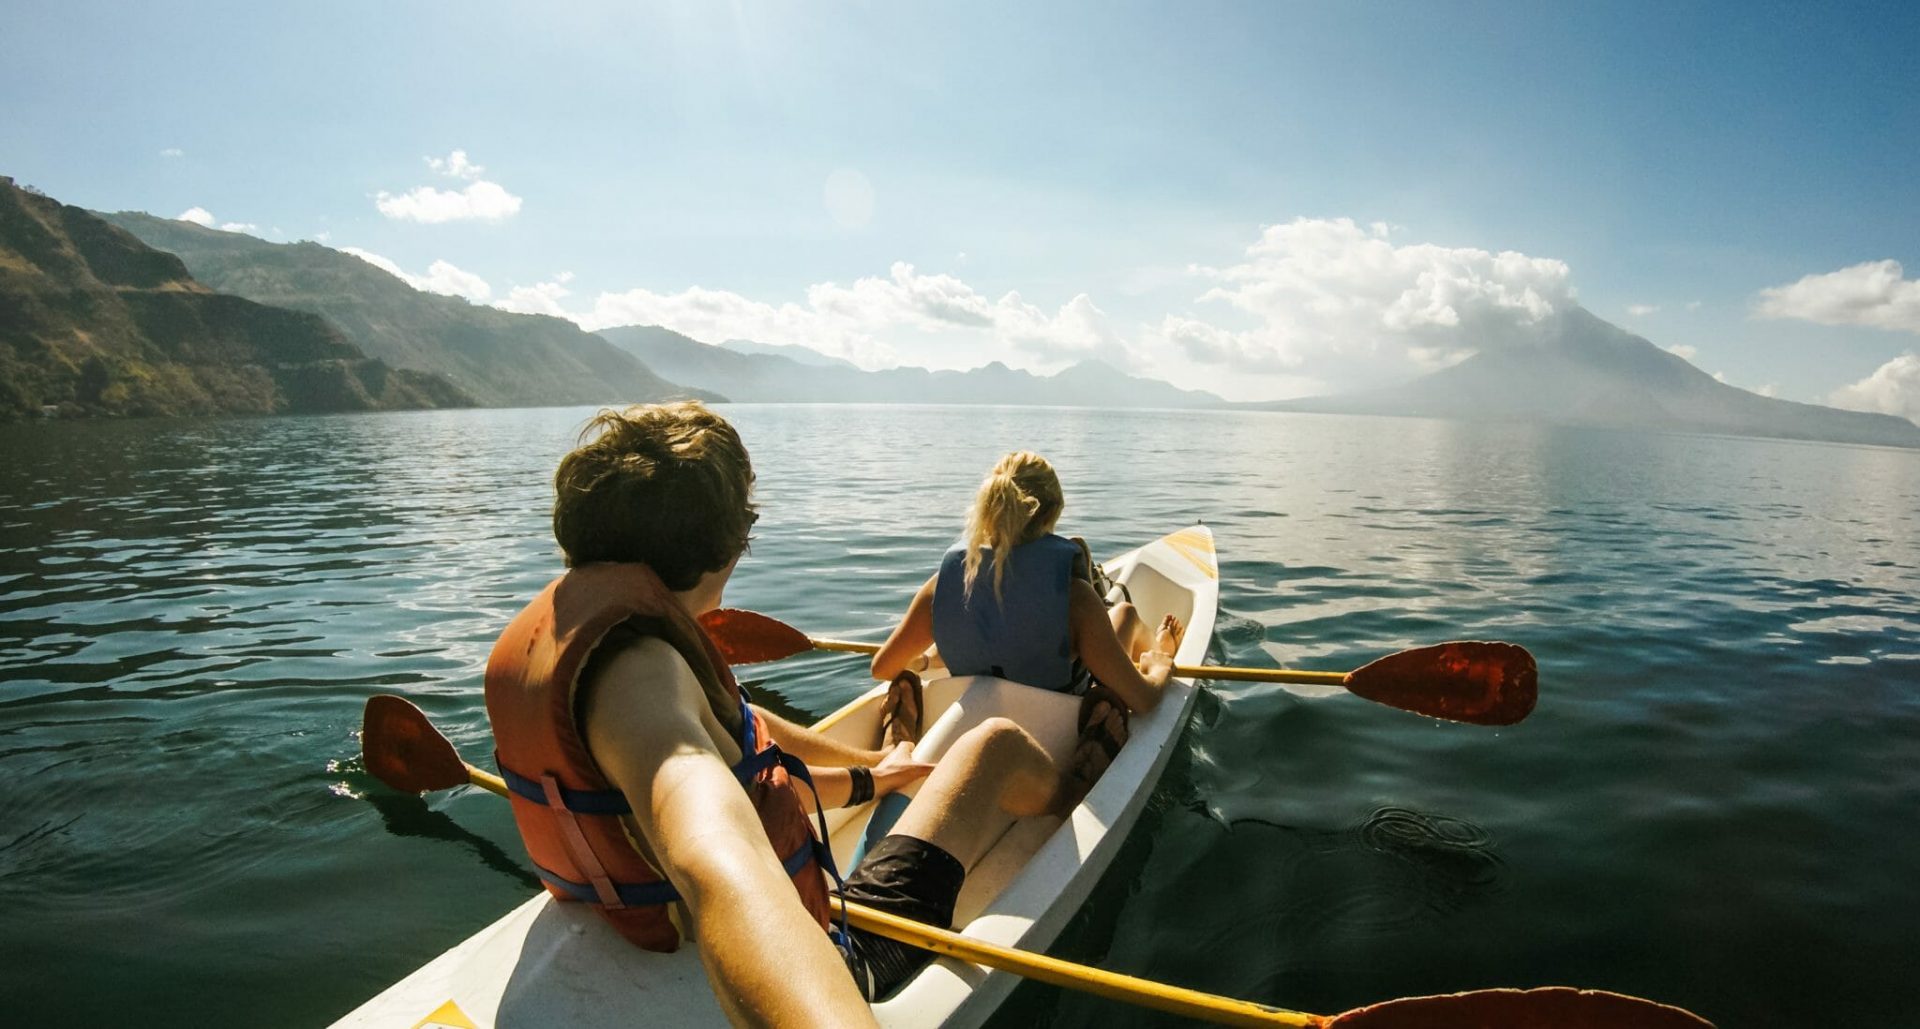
1713 805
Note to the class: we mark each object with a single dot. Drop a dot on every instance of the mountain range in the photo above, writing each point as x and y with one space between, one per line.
94 322
1582 370
502 359
132 314
759 372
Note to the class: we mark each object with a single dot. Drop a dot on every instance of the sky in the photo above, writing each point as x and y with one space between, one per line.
1264 200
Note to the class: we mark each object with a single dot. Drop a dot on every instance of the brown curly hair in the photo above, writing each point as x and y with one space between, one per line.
665 485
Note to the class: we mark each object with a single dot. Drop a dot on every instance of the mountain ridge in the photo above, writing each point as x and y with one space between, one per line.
766 374
1589 372
502 358
97 323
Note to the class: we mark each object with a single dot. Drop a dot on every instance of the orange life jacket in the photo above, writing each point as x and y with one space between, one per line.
569 814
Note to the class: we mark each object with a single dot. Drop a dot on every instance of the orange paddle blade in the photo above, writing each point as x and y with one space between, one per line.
749 637
405 751
1550 1007
1462 681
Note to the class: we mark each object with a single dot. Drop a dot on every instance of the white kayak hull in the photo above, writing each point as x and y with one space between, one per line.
547 963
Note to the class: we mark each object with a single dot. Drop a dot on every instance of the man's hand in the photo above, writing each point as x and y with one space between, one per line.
898 770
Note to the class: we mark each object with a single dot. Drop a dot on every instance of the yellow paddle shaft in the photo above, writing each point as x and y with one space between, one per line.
1184 671
1144 992
1174 1000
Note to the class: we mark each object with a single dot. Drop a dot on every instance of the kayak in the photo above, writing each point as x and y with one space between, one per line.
548 963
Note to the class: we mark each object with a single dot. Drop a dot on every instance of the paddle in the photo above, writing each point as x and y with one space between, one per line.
1463 681
404 750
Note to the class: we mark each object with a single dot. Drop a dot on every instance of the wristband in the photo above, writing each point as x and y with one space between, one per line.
862 785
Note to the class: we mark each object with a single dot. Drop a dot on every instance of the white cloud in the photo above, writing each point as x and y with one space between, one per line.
1768 390
855 320
173 151
483 201
1331 291
1875 294
1893 388
455 165
1693 305
1642 310
539 298
202 217
442 277
1078 331
1685 351
478 200
1210 344
1721 378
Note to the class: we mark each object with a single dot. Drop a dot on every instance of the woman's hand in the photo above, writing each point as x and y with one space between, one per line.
898 770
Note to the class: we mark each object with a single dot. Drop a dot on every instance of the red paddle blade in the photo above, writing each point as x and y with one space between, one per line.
405 751
1550 1007
749 637
1462 681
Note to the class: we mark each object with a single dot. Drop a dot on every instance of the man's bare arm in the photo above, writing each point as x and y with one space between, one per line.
816 749
768 960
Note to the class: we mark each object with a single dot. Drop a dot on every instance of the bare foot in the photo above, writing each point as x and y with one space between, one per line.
900 712
1167 640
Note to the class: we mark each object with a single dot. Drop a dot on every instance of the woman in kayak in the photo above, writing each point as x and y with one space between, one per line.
1015 601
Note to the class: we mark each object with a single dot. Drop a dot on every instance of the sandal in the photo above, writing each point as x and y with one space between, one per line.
1104 730
898 727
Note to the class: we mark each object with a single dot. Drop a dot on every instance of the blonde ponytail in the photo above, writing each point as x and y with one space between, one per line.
1019 502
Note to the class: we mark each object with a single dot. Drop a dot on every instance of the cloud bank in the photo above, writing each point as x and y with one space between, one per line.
478 200
1331 291
1893 388
1875 294
852 320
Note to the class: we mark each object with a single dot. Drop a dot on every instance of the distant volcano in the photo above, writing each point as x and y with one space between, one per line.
1585 371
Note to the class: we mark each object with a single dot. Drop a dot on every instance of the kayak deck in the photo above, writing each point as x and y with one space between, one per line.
553 964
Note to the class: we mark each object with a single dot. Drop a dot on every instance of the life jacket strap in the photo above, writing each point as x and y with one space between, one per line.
578 848
580 802
635 895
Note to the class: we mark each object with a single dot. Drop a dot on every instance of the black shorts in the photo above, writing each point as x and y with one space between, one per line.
907 877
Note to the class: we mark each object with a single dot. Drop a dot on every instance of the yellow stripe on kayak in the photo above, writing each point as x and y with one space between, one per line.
447 1016
1197 546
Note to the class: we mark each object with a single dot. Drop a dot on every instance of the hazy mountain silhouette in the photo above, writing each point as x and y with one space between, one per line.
775 373
792 351
95 322
503 359
1586 371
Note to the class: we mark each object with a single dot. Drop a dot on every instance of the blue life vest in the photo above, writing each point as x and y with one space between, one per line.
1026 637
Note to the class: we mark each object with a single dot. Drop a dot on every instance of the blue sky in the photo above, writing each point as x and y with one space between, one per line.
1260 199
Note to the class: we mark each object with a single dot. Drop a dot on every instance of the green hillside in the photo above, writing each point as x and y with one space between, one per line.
93 322
503 359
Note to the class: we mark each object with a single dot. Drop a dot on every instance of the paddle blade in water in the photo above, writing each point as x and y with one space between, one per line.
1551 1007
405 751
749 637
1462 681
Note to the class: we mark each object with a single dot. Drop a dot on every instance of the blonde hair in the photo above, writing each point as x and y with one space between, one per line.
1018 503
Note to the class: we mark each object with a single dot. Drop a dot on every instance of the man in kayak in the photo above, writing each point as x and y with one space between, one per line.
644 784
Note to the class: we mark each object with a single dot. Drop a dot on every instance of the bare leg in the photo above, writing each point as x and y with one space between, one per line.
991 775
1131 631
